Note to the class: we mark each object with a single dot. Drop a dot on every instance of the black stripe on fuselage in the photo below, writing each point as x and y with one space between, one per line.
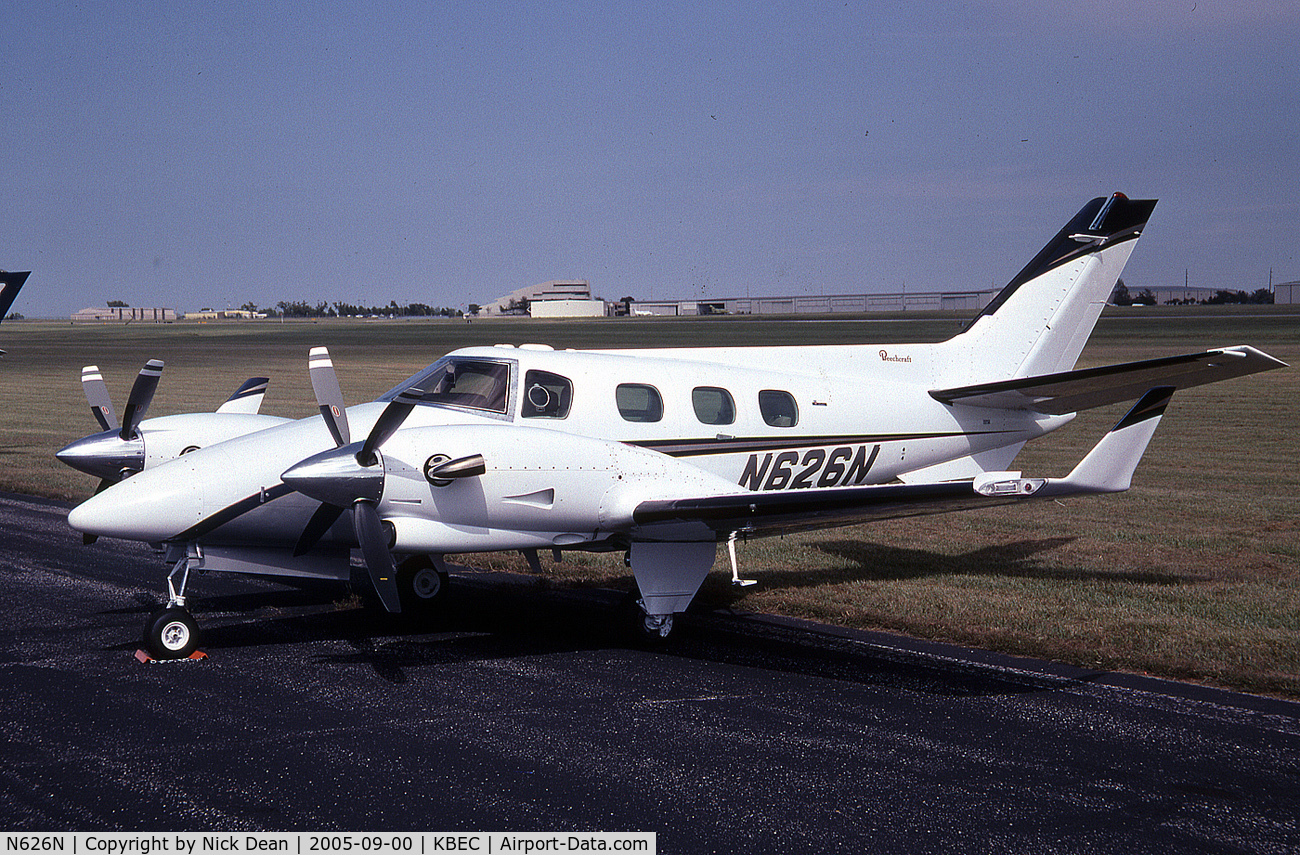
742 445
230 512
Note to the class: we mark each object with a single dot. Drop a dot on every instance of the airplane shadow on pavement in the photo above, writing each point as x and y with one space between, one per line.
503 616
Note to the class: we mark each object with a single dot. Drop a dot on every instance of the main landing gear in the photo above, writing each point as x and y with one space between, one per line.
421 584
172 632
641 628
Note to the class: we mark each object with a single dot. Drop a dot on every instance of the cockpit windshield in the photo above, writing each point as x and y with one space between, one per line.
479 384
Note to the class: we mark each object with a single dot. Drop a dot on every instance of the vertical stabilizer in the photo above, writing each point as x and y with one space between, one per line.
1039 323
10 285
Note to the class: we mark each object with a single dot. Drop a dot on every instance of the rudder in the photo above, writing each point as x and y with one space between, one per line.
1039 322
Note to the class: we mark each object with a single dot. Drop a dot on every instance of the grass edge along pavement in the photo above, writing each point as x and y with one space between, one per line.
1194 573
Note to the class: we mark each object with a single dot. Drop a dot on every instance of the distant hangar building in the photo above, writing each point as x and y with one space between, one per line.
559 298
123 314
571 298
825 304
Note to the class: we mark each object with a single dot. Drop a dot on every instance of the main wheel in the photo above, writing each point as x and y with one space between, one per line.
420 584
644 630
171 634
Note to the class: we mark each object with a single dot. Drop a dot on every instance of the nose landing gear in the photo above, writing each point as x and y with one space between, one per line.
172 633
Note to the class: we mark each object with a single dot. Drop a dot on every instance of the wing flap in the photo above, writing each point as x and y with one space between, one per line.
779 513
1073 391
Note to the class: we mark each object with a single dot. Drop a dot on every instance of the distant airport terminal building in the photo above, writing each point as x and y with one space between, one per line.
123 314
223 315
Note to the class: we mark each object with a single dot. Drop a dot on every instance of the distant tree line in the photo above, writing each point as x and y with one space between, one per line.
303 309
1121 296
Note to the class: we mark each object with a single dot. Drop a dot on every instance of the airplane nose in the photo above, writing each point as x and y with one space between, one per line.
104 455
151 506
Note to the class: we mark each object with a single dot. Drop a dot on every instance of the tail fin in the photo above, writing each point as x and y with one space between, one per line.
10 285
1040 321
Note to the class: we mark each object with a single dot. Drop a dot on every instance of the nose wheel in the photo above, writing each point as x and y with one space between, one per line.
171 634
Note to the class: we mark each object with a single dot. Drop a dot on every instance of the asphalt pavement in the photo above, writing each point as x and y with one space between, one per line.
520 708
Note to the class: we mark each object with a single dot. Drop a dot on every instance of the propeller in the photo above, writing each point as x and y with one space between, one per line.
117 450
101 405
350 475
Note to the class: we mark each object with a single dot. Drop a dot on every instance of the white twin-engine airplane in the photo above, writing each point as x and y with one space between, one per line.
660 453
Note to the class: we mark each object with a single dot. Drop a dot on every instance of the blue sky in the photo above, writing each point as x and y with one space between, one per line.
208 154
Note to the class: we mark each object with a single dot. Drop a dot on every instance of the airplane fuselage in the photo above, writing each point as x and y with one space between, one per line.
702 424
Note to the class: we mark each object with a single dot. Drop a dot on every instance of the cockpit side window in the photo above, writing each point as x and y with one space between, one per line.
478 384
546 395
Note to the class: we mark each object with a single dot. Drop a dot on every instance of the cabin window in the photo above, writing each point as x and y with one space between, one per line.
546 395
480 385
778 408
639 403
713 406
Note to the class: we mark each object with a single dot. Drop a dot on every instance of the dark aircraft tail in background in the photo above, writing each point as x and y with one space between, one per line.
10 285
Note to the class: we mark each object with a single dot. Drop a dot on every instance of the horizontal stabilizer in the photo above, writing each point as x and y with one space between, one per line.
1073 391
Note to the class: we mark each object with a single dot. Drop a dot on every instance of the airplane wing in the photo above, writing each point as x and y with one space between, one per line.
1073 391
1108 468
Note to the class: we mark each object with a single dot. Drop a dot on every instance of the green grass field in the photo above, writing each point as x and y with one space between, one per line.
1194 573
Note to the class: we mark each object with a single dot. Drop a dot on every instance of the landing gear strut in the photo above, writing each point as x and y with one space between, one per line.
172 633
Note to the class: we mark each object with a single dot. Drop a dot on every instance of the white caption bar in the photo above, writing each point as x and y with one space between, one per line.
324 843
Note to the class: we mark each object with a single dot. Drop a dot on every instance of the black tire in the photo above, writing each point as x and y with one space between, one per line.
171 634
421 586
640 629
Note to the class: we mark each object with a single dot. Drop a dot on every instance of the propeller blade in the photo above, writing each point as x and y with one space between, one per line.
137 404
329 397
326 515
375 552
388 423
247 398
101 406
